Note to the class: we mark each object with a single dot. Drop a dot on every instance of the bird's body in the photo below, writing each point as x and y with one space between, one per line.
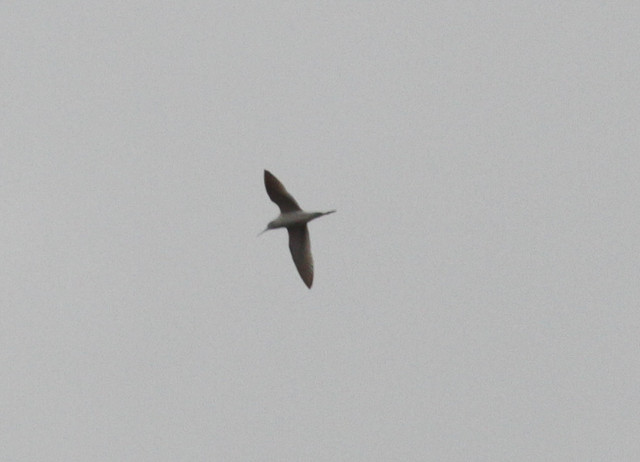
295 220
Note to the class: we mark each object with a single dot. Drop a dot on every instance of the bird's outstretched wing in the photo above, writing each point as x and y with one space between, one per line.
278 194
300 247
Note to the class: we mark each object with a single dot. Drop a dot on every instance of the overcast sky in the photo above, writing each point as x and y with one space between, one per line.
476 296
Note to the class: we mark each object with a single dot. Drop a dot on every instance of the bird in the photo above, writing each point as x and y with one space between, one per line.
295 220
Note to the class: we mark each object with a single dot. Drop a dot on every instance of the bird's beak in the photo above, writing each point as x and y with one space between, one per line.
266 229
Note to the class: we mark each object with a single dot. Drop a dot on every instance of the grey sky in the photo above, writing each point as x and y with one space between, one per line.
476 295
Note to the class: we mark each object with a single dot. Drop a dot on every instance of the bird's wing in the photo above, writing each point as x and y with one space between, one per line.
300 247
278 194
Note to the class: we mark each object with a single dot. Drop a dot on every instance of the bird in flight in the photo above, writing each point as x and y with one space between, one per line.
295 220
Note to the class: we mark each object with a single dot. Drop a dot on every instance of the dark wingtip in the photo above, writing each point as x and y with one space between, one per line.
268 176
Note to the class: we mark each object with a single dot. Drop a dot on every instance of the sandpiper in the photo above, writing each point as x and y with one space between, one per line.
295 220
